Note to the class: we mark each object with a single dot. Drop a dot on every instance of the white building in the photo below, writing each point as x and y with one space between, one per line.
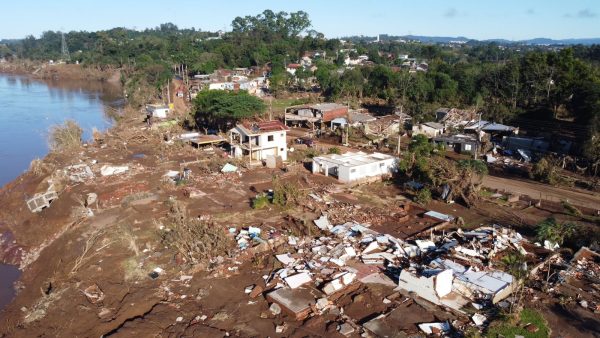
355 166
157 110
429 129
221 86
259 140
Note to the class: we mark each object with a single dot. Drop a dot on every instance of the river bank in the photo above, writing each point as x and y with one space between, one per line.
31 105
46 71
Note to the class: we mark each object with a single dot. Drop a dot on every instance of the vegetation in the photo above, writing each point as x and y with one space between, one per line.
334 150
65 137
260 201
545 171
219 108
552 230
423 196
424 164
528 316
504 82
194 239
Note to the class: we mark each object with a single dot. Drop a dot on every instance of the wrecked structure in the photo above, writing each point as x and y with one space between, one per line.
314 115
353 167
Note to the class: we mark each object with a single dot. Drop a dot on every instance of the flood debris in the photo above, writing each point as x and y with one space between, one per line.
41 201
79 173
109 170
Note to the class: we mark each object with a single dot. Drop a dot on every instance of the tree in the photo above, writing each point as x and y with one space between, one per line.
552 230
218 108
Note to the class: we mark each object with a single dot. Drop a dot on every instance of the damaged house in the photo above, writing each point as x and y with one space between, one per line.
429 129
259 140
354 167
314 115
455 118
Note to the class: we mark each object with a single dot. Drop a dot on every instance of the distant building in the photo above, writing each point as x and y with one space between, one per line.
315 115
292 68
429 129
355 166
157 110
259 140
462 144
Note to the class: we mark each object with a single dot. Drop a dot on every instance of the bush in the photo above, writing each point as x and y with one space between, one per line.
554 231
286 193
65 137
334 150
260 201
423 196
545 171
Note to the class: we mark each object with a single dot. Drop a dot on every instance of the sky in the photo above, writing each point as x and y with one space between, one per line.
477 19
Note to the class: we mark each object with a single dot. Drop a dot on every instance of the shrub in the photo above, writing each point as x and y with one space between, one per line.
260 201
545 171
286 193
423 196
554 231
65 137
334 150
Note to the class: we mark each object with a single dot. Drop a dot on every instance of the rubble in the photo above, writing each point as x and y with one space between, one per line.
109 170
79 173
41 201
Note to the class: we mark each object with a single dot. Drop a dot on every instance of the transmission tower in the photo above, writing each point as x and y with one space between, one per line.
65 49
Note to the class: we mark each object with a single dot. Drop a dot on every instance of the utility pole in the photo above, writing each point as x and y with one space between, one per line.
478 135
399 130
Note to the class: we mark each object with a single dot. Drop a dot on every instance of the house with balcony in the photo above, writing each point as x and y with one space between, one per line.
259 140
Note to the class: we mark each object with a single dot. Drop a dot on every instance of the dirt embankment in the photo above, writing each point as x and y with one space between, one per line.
46 71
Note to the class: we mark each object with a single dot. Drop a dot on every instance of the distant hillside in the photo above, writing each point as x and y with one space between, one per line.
462 39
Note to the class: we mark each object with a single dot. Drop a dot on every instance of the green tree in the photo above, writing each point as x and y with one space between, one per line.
552 230
219 108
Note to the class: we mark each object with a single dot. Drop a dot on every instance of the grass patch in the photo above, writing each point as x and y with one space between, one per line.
526 317
65 137
132 270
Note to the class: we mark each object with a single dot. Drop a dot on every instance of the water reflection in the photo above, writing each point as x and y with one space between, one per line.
29 107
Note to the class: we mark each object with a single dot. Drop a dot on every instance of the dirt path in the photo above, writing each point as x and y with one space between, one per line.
534 189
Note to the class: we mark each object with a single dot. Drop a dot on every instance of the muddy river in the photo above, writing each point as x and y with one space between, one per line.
28 108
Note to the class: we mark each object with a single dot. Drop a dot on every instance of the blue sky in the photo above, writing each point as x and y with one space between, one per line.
479 19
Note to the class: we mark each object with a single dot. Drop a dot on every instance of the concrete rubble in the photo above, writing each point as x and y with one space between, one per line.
450 269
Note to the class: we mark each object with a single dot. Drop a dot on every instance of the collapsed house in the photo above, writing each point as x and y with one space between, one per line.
259 140
353 167
314 115
455 118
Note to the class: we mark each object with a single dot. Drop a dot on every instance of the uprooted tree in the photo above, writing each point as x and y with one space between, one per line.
196 240
424 164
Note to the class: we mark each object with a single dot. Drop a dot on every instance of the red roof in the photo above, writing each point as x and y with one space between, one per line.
294 65
266 126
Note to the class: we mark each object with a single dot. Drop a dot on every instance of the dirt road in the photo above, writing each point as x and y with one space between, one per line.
534 189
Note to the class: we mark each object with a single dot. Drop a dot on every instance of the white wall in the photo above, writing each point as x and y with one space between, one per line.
348 174
279 141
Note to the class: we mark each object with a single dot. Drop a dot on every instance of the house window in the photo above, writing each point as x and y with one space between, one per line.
281 149
352 170
281 134
382 165
270 138
467 147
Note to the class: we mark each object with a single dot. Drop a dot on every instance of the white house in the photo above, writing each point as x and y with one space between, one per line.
259 140
292 68
355 166
157 110
429 129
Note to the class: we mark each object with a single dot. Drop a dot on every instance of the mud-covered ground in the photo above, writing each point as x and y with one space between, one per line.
65 253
